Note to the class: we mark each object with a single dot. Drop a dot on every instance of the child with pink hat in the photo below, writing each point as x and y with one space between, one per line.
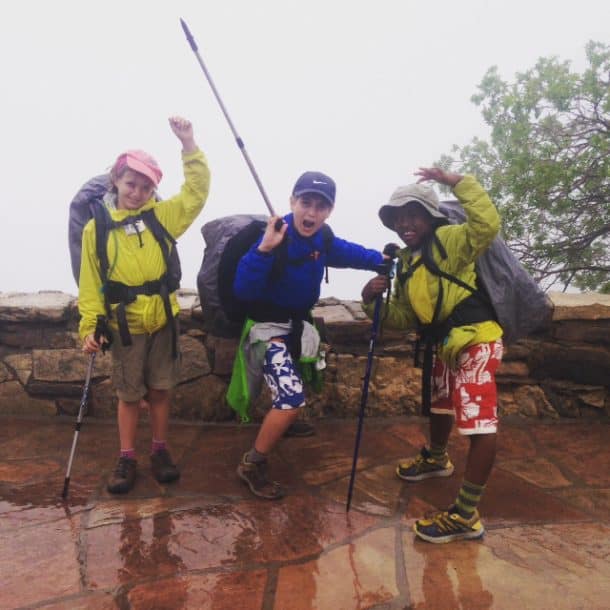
127 275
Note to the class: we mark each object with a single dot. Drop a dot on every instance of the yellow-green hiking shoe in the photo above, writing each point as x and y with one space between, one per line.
448 526
423 466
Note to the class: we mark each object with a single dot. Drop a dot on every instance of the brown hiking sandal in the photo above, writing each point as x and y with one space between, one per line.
300 428
124 476
255 477
163 469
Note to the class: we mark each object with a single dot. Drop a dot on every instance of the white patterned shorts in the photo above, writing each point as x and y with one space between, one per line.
282 377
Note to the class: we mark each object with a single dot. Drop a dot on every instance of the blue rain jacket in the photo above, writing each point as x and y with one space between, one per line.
298 286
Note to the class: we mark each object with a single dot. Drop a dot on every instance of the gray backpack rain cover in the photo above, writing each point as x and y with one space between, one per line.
521 306
216 234
91 193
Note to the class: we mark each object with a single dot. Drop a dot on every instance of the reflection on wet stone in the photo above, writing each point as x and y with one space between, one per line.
204 542
359 574
201 592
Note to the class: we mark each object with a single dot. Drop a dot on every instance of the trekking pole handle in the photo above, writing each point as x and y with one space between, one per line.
387 266
101 330
391 250
240 142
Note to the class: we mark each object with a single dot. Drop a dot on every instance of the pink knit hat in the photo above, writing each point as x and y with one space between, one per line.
141 162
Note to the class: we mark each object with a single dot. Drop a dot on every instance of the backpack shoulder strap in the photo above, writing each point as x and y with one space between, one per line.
327 241
173 268
327 237
403 276
428 261
103 224
432 267
160 233
157 228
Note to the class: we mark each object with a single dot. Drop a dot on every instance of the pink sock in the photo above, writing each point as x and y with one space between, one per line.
128 453
158 446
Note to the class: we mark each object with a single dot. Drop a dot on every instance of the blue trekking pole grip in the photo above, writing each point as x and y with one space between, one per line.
240 142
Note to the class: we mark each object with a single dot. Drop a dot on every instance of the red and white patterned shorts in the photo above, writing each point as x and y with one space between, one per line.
469 392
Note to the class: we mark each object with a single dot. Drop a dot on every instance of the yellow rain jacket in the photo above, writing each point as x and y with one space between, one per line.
416 299
134 263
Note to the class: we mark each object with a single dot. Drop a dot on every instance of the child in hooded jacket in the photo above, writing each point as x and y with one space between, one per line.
144 362
279 279
463 328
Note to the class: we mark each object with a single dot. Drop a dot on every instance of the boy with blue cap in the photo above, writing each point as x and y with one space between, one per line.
279 278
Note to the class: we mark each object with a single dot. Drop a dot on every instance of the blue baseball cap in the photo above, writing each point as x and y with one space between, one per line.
315 182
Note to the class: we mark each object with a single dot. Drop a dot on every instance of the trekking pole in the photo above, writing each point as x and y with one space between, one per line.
83 401
79 419
240 142
390 250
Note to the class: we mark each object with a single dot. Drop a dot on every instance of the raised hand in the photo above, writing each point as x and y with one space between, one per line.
273 237
438 175
183 129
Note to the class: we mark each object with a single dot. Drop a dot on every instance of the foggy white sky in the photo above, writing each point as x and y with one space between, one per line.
364 91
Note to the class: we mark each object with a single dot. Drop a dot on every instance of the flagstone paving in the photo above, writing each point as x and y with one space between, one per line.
205 542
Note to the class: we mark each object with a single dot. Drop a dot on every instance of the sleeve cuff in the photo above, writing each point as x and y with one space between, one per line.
463 189
192 155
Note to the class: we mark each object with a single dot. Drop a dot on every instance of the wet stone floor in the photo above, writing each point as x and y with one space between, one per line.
205 542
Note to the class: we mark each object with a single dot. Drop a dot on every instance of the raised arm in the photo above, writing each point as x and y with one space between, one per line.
178 212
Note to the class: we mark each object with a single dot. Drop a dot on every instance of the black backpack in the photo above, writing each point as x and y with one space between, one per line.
227 239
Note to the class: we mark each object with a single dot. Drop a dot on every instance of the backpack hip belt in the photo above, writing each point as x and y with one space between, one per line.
117 292
469 311
268 312
260 311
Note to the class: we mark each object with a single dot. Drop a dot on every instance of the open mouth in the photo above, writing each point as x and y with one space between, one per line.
308 224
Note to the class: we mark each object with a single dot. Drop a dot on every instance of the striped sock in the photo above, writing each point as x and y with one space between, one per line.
438 453
128 453
158 446
468 499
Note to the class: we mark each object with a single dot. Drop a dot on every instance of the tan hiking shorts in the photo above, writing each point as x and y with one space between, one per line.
145 364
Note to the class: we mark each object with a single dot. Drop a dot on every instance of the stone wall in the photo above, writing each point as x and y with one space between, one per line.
563 372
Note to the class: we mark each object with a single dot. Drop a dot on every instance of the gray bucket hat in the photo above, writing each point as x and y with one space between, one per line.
417 193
